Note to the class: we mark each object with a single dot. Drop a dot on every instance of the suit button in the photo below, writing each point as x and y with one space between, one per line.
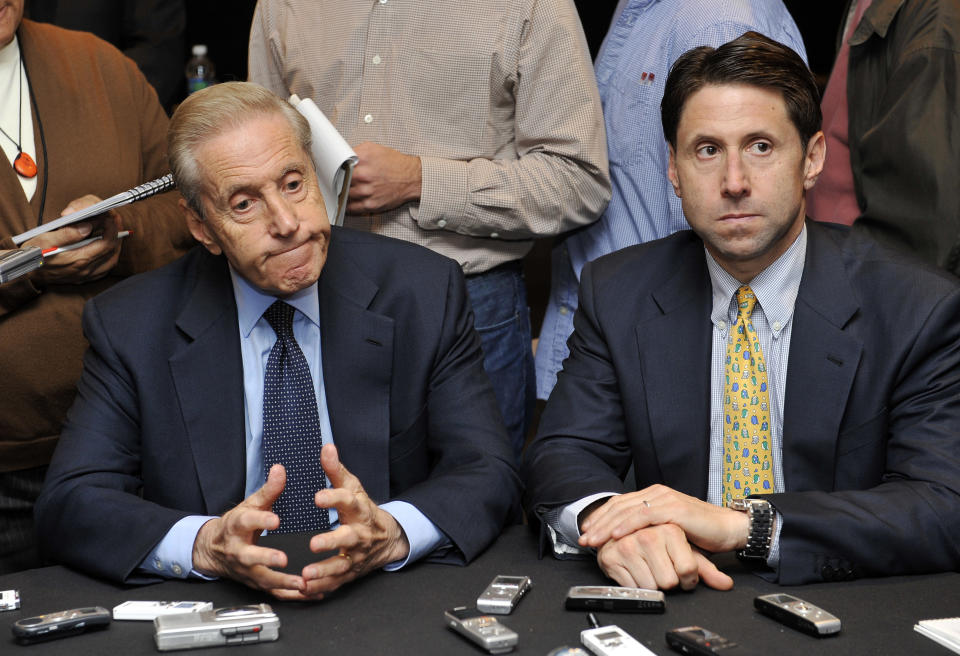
828 573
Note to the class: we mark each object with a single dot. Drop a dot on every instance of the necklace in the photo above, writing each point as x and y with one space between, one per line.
22 163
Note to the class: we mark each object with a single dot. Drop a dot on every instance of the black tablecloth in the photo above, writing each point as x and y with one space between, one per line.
402 612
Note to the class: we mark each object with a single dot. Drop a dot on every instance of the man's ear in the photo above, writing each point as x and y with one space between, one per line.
672 171
199 228
813 160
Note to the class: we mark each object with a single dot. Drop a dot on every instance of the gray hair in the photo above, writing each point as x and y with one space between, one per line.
213 111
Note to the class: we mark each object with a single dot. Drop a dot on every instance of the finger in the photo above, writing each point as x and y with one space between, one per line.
268 493
343 538
363 149
65 236
361 189
325 584
338 475
293 595
251 555
626 578
712 576
614 506
333 567
344 500
621 519
246 522
661 567
685 564
73 233
265 578
628 572
78 204
111 229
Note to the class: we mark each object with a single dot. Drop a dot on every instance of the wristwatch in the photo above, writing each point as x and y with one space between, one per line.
760 514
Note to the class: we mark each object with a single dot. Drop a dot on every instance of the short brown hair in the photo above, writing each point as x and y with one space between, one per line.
751 59
212 111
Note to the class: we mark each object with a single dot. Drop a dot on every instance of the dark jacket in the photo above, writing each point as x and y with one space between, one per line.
903 94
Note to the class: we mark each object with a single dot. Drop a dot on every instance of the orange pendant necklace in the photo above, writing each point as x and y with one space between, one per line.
22 163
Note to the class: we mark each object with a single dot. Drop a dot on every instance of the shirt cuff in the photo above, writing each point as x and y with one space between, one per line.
773 558
423 536
172 558
567 524
443 194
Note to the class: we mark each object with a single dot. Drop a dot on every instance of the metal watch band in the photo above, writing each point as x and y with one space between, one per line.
760 515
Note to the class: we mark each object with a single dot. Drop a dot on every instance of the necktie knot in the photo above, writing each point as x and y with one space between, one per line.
746 301
280 317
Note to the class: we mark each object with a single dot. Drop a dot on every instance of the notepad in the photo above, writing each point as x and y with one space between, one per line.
333 156
946 631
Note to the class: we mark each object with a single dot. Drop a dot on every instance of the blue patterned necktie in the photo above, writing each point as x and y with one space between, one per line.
291 428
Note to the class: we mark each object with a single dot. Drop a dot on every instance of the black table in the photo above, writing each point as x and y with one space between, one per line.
402 613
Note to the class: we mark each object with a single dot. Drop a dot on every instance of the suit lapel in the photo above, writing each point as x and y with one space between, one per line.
823 362
674 343
358 353
208 378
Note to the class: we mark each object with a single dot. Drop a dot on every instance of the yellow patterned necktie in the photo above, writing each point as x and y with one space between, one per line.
747 448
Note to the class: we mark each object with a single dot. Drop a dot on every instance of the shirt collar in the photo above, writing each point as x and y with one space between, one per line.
252 302
775 287
10 54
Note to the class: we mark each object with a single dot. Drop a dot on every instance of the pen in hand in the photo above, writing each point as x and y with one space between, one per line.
56 250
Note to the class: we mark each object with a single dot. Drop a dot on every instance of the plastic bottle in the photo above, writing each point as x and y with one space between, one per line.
200 70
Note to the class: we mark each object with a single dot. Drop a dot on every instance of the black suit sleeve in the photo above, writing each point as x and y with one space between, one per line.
94 482
472 488
581 446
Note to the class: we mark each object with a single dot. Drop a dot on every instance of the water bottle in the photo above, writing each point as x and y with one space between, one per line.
200 71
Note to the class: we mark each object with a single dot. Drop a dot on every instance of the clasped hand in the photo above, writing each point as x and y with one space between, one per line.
652 538
368 538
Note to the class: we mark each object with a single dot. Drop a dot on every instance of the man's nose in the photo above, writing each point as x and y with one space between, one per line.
735 179
284 220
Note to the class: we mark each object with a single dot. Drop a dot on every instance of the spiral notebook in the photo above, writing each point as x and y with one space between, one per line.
946 631
140 192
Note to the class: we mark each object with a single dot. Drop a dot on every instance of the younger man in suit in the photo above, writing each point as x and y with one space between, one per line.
785 389
211 384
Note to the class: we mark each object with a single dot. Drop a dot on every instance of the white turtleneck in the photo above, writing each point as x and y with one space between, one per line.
12 103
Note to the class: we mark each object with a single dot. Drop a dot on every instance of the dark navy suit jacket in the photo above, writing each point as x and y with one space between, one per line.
871 421
157 430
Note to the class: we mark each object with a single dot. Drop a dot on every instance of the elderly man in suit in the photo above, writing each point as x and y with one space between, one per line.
211 384
785 389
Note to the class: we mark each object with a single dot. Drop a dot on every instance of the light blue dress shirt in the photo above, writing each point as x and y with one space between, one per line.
644 41
173 556
776 289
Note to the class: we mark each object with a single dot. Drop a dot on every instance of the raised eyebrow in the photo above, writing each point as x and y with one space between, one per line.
292 168
232 191
754 136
